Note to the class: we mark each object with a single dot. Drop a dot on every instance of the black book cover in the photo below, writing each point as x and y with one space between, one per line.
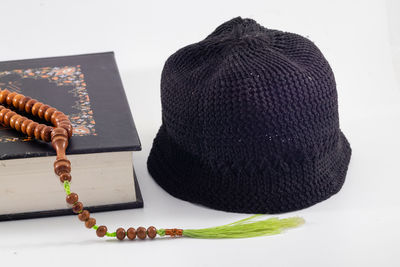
88 89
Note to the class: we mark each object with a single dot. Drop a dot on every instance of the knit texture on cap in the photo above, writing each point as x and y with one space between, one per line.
249 122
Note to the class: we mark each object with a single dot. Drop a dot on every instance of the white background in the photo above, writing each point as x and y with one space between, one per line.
361 40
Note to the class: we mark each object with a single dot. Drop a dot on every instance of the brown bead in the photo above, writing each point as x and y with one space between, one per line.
131 233
22 103
121 233
90 222
141 233
45 134
38 131
18 123
151 232
61 118
24 125
49 112
61 166
65 176
30 129
84 215
3 96
72 198
29 105
77 207
10 98
42 110
3 112
101 231
7 117
54 116
16 100
35 108
13 120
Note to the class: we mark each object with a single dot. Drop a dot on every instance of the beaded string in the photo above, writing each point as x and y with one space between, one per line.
59 134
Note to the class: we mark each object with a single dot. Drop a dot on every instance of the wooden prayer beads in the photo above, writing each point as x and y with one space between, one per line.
58 135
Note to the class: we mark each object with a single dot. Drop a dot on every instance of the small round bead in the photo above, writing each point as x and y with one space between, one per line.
13 120
151 232
29 105
48 113
65 177
101 231
10 98
42 110
24 125
16 100
90 222
141 233
77 207
30 129
121 233
61 118
7 117
3 96
22 103
45 134
35 108
3 112
38 131
84 215
54 116
72 198
131 233
18 123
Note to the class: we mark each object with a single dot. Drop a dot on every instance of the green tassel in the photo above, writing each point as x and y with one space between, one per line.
248 227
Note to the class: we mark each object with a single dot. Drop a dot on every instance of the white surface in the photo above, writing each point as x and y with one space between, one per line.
357 227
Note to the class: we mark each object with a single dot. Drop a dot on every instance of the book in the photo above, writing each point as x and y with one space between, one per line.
88 89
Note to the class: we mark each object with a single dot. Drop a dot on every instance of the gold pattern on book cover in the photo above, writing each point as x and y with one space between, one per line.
69 77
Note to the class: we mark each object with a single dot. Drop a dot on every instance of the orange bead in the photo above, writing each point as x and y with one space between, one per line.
16 100
72 198
18 123
42 110
30 129
10 98
65 177
121 233
77 207
101 231
13 120
141 233
49 112
29 105
3 112
7 117
90 222
22 103
84 215
3 96
45 134
151 232
131 233
38 131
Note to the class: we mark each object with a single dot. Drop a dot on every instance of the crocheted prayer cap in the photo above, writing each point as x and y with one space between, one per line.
249 122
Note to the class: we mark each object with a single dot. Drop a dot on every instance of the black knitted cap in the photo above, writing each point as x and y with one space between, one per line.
249 122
